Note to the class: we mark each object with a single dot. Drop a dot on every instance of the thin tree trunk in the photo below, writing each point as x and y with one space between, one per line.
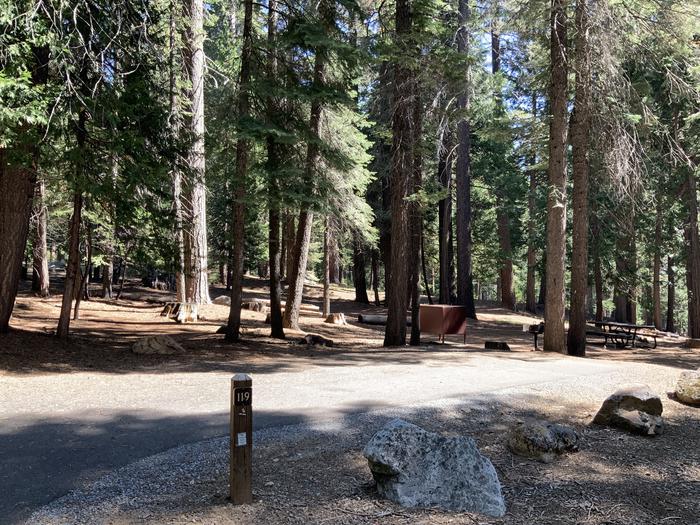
176 174
424 268
303 239
82 289
530 298
580 136
671 300
554 335
416 214
233 328
656 271
401 172
693 257
445 215
290 238
73 266
40 263
326 271
465 286
507 296
375 277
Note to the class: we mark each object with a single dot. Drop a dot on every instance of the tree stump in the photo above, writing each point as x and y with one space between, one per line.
181 312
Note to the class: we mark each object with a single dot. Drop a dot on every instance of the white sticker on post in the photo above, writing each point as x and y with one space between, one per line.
241 439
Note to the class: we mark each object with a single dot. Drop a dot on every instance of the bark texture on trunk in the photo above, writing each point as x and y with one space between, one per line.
554 335
465 285
233 327
40 261
303 238
580 137
199 279
289 235
400 177
530 298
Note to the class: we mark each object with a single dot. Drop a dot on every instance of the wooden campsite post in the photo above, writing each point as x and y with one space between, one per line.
241 490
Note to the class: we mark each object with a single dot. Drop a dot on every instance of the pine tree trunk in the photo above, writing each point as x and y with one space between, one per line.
73 266
580 136
273 164
40 263
289 250
445 215
375 277
530 298
83 284
465 286
199 287
415 211
693 257
18 167
554 335
303 238
17 183
233 328
358 271
176 175
400 177
507 296
671 301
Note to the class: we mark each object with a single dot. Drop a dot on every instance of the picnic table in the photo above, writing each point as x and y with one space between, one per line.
622 334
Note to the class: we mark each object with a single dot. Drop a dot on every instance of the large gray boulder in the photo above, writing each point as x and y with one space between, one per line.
688 387
157 344
416 468
542 440
634 408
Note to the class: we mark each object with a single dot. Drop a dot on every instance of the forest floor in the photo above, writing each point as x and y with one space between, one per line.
90 415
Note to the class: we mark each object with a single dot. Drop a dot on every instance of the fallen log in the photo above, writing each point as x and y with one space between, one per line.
376 319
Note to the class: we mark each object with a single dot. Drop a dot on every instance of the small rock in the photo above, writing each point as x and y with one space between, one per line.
688 387
416 468
634 408
157 344
224 300
338 318
542 440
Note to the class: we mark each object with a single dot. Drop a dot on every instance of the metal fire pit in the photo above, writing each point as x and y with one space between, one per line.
443 319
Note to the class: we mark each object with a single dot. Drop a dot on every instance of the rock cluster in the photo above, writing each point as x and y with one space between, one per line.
634 408
338 318
416 468
542 440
